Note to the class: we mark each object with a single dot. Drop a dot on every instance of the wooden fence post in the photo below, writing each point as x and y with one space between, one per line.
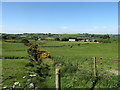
94 66
57 79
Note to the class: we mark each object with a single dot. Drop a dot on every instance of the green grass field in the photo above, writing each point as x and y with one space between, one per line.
13 49
68 59
13 70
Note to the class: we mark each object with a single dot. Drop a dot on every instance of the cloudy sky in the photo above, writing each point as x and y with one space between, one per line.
60 17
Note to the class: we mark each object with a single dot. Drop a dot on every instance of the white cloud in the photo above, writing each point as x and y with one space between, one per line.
104 27
95 27
64 27
99 29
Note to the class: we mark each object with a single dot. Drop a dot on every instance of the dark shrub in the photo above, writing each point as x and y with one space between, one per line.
24 41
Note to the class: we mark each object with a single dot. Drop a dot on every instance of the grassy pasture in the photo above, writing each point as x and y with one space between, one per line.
82 56
79 55
13 70
85 50
13 49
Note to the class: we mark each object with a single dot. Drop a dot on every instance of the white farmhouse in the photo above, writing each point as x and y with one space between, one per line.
72 40
39 38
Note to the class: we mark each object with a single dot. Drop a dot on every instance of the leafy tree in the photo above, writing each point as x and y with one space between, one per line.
24 41
105 36
57 39
64 39
5 36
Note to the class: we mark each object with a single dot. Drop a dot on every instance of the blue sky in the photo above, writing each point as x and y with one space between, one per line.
60 17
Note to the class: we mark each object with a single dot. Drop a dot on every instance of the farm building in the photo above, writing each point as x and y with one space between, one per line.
41 39
93 40
81 40
87 40
72 40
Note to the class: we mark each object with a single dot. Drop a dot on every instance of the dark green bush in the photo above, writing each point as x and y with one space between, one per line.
24 41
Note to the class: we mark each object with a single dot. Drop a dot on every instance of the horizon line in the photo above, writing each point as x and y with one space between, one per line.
59 33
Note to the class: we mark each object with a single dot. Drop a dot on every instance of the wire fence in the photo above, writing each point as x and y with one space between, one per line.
107 59
83 75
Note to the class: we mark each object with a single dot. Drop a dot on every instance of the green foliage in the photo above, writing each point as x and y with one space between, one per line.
36 68
57 39
64 38
69 68
36 74
60 37
8 36
24 41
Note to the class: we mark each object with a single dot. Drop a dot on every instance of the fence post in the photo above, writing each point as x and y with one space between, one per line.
57 79
94 66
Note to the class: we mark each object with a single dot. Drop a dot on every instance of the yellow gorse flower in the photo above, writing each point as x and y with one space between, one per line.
40 53
45 54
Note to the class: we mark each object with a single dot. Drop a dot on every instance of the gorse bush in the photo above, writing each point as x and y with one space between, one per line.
36 67
36 53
